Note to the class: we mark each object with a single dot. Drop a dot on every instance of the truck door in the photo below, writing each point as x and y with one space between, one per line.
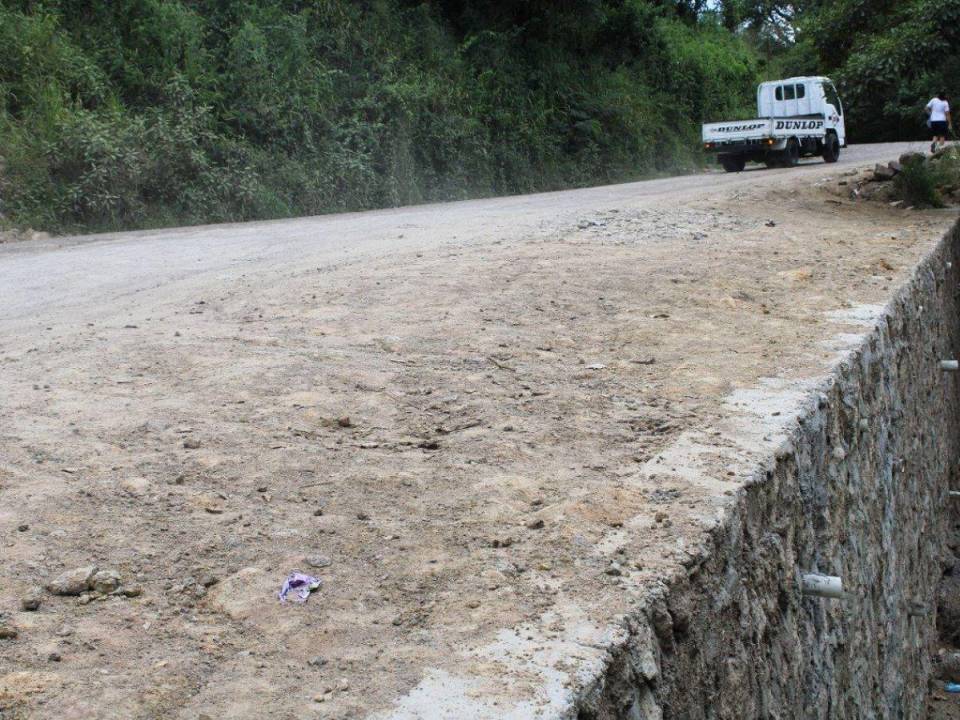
785 100
805 99
833 111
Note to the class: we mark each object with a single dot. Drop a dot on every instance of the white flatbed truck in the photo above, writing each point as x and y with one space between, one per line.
798 117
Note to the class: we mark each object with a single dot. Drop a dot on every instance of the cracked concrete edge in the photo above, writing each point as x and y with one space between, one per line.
525 674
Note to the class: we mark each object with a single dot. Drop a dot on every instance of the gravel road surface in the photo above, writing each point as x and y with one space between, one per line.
73 279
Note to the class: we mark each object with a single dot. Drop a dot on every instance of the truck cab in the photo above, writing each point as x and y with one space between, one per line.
796 117
802 97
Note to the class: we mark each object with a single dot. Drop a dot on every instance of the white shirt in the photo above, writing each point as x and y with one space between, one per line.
938 110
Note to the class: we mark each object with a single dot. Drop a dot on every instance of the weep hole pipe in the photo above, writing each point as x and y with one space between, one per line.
825 586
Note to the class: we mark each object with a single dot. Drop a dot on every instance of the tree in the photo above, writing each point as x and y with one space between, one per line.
888 57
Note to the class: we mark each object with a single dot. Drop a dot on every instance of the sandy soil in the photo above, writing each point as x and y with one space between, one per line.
446 433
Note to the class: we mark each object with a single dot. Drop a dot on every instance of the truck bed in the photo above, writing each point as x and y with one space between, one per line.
760 129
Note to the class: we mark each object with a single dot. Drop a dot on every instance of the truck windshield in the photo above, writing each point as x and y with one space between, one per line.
830 93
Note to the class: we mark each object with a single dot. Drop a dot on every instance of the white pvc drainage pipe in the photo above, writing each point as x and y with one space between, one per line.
827 586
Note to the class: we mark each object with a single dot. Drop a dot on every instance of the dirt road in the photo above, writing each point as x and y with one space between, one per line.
447 413
94 277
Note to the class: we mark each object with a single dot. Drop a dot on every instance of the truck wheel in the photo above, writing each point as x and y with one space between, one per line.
791 156
733 163
831 148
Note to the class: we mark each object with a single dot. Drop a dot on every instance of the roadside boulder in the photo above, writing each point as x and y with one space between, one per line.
73 582
895 166
911 157
32 600
882 173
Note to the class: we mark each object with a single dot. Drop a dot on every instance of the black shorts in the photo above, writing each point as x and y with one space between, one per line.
938 127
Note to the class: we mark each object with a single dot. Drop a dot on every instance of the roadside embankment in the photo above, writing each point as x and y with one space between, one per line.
857 488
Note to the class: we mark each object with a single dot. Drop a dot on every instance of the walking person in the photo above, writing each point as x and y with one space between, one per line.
938 110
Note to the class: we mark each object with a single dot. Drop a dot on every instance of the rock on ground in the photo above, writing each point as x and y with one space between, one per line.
73 582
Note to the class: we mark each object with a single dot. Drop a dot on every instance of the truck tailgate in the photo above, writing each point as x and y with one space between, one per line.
736 131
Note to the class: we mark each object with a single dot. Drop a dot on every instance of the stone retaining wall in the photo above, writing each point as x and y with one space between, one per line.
858 488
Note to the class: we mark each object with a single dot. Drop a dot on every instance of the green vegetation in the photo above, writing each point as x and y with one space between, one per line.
142 113
925 183
916 184
138 113
889 57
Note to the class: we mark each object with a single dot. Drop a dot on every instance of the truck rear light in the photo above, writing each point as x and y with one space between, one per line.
769 141
707 146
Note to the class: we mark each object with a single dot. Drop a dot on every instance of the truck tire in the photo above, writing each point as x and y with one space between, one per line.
788 157
733 163
791 156
831 148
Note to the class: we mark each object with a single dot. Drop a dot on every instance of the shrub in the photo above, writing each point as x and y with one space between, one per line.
916 184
